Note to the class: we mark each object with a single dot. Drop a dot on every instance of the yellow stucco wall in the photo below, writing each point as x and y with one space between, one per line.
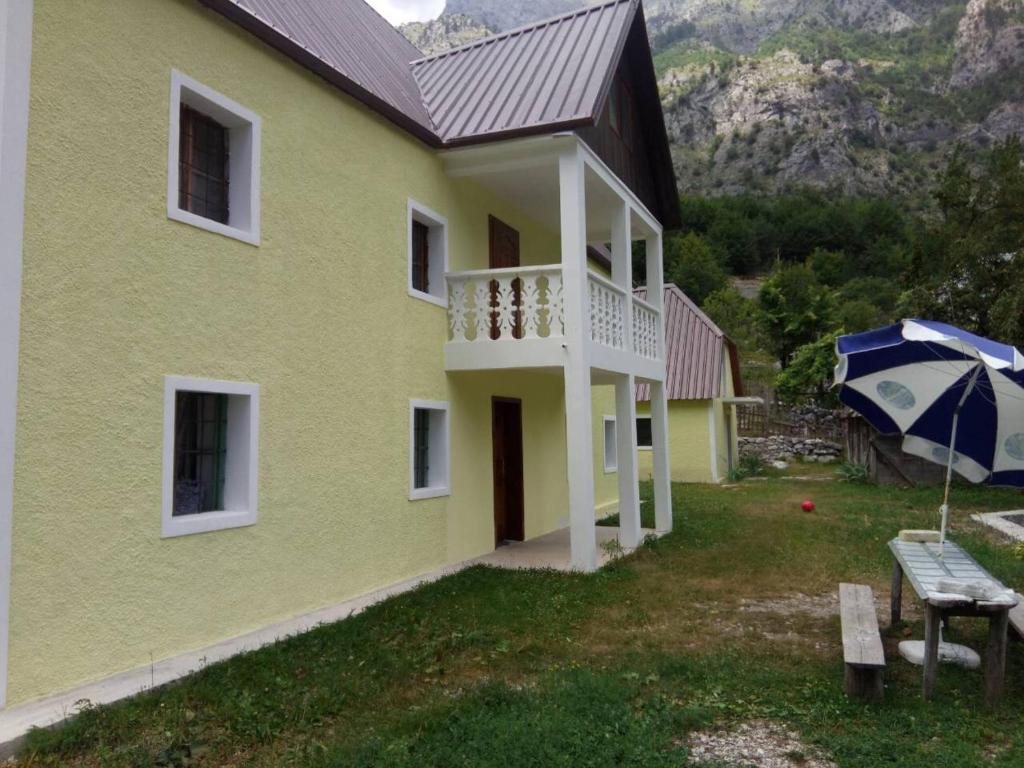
116 296
688 441
690 437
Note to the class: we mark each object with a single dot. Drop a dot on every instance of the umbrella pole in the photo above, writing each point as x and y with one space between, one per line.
944 509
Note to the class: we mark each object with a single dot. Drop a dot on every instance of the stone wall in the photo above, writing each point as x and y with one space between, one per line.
780 448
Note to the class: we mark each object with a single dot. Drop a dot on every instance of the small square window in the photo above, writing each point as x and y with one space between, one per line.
210 455
611 455
643 432
428 254
213 168
428 449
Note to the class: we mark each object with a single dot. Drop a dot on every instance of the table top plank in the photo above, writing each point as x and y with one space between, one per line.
923 565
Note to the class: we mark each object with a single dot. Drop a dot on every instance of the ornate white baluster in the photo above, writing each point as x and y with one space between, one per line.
556 306
482 309
506 308
529 307
457 309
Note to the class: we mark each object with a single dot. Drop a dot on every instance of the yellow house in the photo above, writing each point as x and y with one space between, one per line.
291 314
704 387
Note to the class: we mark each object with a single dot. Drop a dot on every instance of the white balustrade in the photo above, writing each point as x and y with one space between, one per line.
645 329
607 312
505 304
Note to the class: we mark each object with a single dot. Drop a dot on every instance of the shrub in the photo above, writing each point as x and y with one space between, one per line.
851 472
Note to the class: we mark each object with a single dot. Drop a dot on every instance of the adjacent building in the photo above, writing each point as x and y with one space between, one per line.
704 386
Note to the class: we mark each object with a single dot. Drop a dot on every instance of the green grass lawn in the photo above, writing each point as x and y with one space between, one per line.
703 628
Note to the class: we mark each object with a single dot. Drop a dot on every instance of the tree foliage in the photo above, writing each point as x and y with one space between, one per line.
809 375
967 264
693 267
797 309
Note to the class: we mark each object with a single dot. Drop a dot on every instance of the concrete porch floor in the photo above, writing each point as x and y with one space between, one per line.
552 550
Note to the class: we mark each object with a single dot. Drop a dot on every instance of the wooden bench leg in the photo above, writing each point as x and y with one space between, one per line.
863 683
995 657
932 620
896 599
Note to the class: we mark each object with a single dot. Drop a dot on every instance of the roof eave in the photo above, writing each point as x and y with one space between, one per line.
318 66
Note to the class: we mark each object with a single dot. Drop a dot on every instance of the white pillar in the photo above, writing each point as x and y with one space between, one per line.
579 439
625 451
622 266
656 285
659 444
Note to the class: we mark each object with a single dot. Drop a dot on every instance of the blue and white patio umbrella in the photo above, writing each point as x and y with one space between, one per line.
942 388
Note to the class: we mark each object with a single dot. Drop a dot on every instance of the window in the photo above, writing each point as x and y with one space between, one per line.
643 432
202 165
428 449
428 254
620 111
611 455
213 168
420 257
210 455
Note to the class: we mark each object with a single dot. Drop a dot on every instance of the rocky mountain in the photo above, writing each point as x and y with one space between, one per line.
861 96
446 31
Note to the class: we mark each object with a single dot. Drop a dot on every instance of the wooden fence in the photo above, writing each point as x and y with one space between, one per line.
762 421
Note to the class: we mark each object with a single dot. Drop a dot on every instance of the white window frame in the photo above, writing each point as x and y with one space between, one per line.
611 461
242 470
439 450
244 131
645 447
437 243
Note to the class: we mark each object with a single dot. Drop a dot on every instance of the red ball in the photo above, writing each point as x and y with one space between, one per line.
807 506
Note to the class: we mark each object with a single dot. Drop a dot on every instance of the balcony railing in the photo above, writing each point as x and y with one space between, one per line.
523 303
501 304
607 312
645 329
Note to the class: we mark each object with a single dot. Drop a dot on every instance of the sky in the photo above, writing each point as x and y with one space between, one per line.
401 11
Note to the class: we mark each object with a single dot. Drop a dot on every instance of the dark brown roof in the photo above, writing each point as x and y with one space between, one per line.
693 351
549 74
348 44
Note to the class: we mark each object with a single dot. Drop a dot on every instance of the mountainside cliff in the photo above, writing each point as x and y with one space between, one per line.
861 96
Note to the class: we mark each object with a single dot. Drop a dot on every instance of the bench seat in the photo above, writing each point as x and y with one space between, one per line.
863 655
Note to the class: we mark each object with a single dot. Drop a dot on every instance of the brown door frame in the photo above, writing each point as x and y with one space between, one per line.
495 228
509 519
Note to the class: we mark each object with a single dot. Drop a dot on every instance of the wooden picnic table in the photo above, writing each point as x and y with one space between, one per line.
923 567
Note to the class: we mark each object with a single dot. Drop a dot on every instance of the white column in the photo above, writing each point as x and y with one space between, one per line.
625 450
659 443
656 285
622 266
579 438
15 59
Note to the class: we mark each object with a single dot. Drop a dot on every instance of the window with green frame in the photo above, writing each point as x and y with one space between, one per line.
200 452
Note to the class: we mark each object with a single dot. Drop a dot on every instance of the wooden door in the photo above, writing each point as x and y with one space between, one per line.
503 253
507 439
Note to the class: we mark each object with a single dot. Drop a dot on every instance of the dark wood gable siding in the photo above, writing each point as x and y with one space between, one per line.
626 148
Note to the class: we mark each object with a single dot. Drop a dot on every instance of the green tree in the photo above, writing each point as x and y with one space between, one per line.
796 308
967 264
830 267
738 317
856 315
809 375
691 265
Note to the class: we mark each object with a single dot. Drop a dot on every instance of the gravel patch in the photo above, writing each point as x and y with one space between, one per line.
756 744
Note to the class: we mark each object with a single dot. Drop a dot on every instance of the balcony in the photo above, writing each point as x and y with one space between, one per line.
515 318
